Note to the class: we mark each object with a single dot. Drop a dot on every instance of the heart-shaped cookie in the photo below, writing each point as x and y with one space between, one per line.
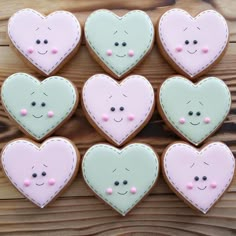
119 43
199 177
38 107
40 172
117 109
45 42
123 177
194 111
192 44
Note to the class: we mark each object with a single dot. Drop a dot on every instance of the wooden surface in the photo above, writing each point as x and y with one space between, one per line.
77 211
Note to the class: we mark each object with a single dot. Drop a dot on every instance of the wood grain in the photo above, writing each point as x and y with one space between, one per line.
77 211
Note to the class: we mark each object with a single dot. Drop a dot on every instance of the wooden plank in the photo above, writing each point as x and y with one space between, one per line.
87 216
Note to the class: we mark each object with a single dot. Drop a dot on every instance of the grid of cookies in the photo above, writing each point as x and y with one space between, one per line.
118 104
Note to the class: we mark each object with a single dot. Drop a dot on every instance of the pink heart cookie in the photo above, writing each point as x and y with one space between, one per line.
40 173
200 177
46 42
118 110
192 44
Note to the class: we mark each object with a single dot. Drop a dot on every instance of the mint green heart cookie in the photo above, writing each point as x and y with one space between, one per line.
120 177
194 111
120 43
38 107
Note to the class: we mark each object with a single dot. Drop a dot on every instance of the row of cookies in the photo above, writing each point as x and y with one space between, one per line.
191 45
117 110
120 177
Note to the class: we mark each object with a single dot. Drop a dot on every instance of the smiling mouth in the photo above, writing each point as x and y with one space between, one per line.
202 188
194 123
37 116
120 55
122 193
40 184
191 52
118 120
42 53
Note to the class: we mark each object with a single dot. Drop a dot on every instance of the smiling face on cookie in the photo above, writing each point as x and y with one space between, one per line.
44 41
120 48
194 114
200 177
43 44
194 111
192 44
38 107
38 112
201 180
116 109
119 42
123 182
120 177
40 176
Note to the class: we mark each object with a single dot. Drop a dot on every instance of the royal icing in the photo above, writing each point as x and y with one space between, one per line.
193 44
45 41
118 109
120 177
199 177
38 107
40 173
194 111
113 39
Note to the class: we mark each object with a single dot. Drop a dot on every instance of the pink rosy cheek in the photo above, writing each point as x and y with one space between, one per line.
189 185
27 182
109 52
182 121
207 120
54 51
131 53
213 184
105 117
109 191
133 190
131 117
23 112
205 50
179 48
50 114
30 50
51 181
